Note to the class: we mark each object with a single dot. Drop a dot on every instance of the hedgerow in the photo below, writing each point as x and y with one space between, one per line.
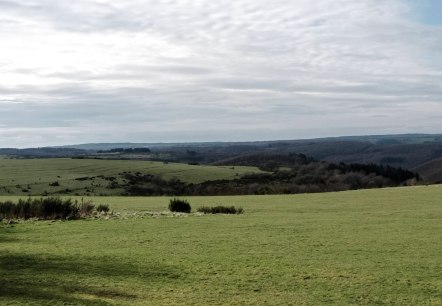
220 210
45 208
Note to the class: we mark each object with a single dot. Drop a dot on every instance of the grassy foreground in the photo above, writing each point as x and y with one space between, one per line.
359 247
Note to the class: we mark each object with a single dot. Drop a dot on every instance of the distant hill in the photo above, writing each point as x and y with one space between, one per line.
132 145
397 139
42 152
292 173
399 155
431 171
409 151
268 161
373 139
72 176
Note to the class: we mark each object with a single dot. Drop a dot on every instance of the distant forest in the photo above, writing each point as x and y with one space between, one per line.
289 174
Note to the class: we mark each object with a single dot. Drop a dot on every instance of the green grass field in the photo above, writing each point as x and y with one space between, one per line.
365 247
34 176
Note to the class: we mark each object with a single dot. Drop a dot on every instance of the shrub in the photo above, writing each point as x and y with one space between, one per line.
86 208
48 209
220 210
6 209
44 208
178 205
103 208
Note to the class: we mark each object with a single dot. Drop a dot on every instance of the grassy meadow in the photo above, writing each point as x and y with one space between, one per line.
362 247
90 176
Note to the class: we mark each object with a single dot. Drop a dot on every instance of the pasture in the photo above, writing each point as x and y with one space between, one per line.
93 176
363 247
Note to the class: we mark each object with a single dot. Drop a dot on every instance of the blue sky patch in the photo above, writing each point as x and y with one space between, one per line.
427 11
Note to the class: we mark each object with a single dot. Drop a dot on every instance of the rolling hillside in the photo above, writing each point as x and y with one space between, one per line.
431 171
409 151
95 177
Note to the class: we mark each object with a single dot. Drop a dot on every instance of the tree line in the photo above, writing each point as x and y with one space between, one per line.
304 177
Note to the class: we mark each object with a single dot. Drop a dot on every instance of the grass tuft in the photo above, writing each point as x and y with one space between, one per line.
103 208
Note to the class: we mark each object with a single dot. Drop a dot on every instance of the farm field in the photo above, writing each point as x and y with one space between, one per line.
379 246
92 176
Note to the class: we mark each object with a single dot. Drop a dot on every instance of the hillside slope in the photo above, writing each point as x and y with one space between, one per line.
94 176
409 151
431 171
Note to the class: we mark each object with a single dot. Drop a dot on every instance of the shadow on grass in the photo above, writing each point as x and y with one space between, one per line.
4 238
6 235
93 281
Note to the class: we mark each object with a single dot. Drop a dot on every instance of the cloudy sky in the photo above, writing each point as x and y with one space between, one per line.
226 70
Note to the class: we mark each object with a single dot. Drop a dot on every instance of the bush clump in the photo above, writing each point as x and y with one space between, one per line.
220 210
49 208
177 205
42 208
103 208
86 208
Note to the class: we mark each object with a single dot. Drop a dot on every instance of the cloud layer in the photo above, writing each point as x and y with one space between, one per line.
200 70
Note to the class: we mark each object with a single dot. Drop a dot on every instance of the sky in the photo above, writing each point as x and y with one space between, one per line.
202 70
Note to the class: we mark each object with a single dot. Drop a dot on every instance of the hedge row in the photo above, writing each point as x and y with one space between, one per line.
47 208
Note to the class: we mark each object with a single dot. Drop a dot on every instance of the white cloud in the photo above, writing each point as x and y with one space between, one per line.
215 70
